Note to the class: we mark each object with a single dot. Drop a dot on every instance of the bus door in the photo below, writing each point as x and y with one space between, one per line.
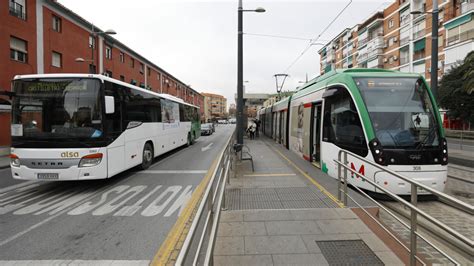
316 112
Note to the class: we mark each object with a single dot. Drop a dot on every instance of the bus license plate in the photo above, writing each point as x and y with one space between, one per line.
48 176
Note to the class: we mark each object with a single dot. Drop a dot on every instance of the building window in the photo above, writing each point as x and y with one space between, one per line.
56 24
148 71
91 41
18 51
142 68
108 52
17 9
56 59
108 73
390 23
132 63
122 78
122 57
158 76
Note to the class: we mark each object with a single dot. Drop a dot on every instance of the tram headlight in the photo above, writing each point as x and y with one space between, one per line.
91 160
444 151
14 160
377 151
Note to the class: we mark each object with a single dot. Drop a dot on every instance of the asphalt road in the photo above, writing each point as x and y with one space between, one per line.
126 217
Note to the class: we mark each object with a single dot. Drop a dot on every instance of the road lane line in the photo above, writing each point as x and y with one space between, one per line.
172 172
319 186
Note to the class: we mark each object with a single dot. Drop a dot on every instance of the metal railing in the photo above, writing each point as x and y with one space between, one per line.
466 35
198 246
17 10
344 168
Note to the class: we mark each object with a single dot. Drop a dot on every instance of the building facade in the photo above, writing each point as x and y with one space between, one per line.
43 36
398 40
215 106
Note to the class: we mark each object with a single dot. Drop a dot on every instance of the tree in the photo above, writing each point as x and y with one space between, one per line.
455 91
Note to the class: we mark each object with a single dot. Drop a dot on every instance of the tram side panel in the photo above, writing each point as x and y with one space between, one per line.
301 132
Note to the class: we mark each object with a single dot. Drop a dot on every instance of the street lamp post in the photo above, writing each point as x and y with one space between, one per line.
94 35
240 76
434 47
434 50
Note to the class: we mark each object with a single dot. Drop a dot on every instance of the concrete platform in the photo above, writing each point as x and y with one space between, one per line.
286 213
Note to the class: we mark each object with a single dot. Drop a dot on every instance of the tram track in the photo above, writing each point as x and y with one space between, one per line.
459 220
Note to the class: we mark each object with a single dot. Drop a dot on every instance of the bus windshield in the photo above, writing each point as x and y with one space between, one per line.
401 112
45 109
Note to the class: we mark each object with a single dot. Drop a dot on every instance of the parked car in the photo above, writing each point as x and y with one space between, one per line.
232 121
206 129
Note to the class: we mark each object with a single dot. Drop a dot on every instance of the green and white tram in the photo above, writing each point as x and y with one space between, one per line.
385 116
82 126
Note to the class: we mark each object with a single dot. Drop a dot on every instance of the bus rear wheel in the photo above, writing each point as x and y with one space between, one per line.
147 157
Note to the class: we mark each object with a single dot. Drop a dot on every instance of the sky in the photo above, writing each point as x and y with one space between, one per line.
196 40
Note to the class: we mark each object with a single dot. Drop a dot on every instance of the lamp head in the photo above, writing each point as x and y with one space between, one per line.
80 60
260 10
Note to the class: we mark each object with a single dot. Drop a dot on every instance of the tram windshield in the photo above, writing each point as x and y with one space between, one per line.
401 112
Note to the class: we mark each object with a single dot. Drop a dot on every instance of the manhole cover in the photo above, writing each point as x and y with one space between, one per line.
348 252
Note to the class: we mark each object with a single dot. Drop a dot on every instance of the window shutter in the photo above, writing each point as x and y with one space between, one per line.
18 44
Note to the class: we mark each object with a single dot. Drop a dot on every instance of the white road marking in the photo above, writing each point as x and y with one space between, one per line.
131 210
208 147
18 186
173 172
74 262
156 207
29 229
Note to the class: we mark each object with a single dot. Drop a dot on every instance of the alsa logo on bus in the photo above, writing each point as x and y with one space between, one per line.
361 171
69 154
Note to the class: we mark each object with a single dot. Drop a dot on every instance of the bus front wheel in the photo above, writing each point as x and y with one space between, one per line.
147 157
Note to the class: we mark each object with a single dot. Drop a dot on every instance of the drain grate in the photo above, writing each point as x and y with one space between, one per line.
348 252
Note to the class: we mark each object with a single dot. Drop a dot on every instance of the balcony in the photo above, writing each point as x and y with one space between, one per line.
464 36
375 43
17 10
404 59
419 34
419 55
467 6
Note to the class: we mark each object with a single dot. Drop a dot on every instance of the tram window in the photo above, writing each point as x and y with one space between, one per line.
342 125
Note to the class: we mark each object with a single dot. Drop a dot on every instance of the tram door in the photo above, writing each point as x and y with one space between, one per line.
316 134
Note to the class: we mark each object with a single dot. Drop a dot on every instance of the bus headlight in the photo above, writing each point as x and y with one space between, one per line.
91 160
14 160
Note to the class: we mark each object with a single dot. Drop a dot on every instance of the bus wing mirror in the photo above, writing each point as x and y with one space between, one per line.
109 104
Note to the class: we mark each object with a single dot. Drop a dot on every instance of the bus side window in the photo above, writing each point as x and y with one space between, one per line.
342 125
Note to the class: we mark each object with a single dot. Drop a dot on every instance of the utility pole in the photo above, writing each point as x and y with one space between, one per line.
240 76
434 50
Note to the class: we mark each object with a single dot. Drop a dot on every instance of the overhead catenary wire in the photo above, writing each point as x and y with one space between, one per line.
314 41
280 36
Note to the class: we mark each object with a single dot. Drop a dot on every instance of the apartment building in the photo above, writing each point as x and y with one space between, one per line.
215 106
43 36
398 40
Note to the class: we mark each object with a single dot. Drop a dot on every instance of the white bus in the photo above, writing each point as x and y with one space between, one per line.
83 126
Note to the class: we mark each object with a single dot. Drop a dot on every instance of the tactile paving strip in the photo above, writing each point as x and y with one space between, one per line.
348 252
276 198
